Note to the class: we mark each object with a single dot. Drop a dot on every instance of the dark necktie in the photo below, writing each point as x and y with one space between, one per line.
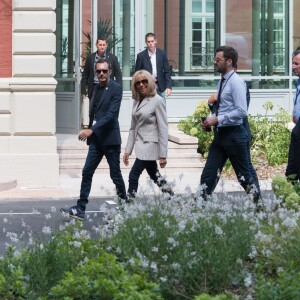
216 110
297 93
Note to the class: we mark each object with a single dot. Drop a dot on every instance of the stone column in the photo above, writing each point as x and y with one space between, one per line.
28 146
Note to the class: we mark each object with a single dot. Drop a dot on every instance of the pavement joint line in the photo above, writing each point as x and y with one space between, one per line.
19 213
111 202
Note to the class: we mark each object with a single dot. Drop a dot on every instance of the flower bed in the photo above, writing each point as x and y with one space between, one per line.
157 248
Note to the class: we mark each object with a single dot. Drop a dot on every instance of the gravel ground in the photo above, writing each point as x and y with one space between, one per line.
263 170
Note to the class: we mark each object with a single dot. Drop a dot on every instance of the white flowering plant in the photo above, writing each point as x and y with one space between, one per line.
277 262
160 248
189 246
68 265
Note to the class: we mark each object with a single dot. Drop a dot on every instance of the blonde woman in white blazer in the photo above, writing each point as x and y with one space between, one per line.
148 133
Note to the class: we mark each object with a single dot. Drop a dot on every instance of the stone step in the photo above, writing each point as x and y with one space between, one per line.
103 167
182 154
171 151
7 184
82 149
80 158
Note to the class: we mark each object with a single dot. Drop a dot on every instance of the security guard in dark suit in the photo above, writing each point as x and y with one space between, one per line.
155 61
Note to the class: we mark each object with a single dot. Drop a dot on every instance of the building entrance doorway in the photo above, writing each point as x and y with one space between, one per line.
68 66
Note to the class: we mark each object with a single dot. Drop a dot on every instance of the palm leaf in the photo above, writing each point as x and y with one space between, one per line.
104 29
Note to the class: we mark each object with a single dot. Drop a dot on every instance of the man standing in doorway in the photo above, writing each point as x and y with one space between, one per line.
103 137
155 61
89 78
230 137
293 167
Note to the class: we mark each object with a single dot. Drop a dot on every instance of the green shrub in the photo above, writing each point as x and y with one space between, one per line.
104 278
270 137
285 191
217 297
46 266
192 126
45 263
283 286
277 263
13 282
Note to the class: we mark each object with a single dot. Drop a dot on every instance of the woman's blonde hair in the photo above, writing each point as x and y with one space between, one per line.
151 84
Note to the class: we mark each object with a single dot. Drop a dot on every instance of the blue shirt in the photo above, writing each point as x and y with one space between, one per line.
296 110
233 101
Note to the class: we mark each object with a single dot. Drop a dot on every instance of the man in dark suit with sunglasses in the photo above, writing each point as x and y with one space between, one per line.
103 137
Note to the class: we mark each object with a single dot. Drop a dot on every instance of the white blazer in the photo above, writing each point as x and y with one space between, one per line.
149 129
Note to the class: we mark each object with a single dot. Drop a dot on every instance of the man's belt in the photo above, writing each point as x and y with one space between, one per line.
226 128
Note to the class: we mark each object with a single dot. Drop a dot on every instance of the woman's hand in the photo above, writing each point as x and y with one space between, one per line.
126 159
162 162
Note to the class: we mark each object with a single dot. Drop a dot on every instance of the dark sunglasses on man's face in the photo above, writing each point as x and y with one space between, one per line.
144 81
98 71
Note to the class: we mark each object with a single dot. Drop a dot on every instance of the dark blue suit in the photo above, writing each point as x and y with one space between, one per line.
143 62
105 140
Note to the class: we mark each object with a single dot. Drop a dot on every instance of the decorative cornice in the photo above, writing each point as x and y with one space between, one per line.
33 84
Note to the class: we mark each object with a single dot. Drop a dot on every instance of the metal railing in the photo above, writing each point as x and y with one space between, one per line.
132 58
201 58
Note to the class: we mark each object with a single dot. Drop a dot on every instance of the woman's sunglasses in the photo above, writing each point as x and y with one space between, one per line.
144 81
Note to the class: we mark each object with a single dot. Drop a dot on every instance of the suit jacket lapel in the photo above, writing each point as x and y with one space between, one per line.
148 60
144 102
103 96
159 62
93 62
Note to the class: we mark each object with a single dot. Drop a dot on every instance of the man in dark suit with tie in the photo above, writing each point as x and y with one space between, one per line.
103 137
155 61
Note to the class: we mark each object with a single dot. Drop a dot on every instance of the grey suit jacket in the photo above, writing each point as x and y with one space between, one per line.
149 129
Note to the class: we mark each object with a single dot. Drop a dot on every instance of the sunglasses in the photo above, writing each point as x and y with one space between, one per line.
144 81
98 71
